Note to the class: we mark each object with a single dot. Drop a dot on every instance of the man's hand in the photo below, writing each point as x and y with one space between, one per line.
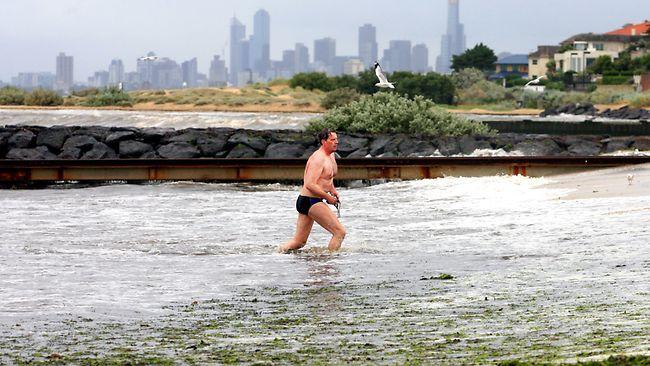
332 200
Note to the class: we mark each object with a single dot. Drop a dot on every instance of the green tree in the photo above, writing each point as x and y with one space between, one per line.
344 81
10 95
366 82
435 87
601 65
465 78
311 81
480 57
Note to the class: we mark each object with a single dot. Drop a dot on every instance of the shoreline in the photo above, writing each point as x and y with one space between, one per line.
625 181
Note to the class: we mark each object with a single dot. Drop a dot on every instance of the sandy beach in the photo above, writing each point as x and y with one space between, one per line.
626 181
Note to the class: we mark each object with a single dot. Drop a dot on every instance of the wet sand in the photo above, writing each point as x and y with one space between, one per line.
626 181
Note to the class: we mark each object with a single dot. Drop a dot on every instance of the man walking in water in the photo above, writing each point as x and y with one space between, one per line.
318 188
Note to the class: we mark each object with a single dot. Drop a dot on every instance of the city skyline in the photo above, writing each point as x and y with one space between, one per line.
37 30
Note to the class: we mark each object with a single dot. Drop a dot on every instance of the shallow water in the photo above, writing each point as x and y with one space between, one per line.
177 120
187 272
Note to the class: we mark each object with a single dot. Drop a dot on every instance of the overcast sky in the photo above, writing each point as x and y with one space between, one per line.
33 32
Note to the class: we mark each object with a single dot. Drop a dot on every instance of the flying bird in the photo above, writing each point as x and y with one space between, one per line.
535 81
383 81
148 58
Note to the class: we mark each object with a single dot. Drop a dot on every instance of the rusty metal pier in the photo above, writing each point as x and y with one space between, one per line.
252 170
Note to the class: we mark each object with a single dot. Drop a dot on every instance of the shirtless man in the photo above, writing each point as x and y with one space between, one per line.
318 189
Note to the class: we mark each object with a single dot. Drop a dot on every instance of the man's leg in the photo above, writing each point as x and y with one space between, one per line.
303 229
326 218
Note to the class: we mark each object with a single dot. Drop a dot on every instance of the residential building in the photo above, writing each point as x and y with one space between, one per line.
99 79
582 50
337 67
538 60
301 63
190 73
512 65
64 72
115 72
420 58
238 49
353 67
218 73
453 42
368 49
632 29
324 53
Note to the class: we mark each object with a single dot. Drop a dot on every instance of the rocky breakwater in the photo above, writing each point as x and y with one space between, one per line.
42 143
588 109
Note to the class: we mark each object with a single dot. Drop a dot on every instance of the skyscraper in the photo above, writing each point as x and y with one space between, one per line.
420 58
190 73
302 58
237 44
218 73
368 49
453 43
260 43
64 72
324 51
398 56
115 72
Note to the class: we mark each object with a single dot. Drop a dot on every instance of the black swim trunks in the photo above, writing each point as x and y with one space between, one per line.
304 203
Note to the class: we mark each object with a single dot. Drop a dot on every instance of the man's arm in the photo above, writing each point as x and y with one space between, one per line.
312 175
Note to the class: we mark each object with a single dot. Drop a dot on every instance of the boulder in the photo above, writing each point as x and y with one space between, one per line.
642 143
448 146
616 144
212 146
384 143
81 142
98 132
100 151
584 148
188 136
155 134
410 147
178 150
348 144
70 153
242 151
116 137
39 153
361 153
133 149
284 150
21 140
150 155
540 147
53 137
254 142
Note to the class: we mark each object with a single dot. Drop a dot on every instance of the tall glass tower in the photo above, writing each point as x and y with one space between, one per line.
260 44
368 44
453 42
238 52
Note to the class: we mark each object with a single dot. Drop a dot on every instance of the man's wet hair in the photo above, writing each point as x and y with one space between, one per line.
323 135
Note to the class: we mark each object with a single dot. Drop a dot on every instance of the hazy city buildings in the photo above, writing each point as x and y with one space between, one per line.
238 49
218 75
260 44
34 80
420 58
301 58
398 56
190 72
368 49
99 79
324 54
453 42
115 72
64 72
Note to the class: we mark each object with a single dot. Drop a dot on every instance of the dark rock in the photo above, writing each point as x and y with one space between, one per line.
212 146
116 137
155 134
410 147
467 144
584 148
133 149
4 137
242 151
178 150
39 153
70 153
98 132
642 143
617 144
541 147
384 143
284 150
361 153
254 142
53 137
188 136
348 144
448 146
21 140
100 151
304 139
150 155
81 142
388 154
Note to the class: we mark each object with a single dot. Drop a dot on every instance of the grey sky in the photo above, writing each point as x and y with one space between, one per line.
33 32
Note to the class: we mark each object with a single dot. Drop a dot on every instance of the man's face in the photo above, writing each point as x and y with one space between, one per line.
332 142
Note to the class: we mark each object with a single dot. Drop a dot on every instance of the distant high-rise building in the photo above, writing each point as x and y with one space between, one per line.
260 43
368 50
353 67
64 72
167 74
237 52
324 51
301 63
218 73
420 58
99 79
145 70
398 57
190 73
33 80
453 42
115 72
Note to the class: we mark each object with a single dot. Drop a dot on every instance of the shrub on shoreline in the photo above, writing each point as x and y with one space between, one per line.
10 95
109 97
43 97
390 113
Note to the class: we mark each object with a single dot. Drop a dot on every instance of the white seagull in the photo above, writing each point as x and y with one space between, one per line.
148 58
535 81
383 81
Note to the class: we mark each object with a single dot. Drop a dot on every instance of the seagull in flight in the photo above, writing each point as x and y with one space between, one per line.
148 58
535 81
383 81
